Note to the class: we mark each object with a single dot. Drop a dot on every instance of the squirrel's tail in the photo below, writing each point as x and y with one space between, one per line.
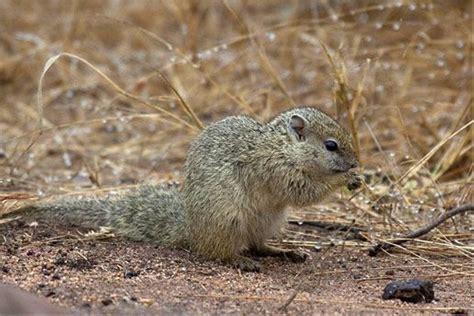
151 212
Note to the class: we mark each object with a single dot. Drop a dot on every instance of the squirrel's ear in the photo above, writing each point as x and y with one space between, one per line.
297 127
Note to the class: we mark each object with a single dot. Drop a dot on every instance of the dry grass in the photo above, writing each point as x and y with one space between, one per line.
136 80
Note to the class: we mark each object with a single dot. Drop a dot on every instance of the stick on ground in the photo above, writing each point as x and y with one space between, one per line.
356 231
385 245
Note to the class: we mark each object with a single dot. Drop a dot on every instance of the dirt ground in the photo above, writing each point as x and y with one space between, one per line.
114 276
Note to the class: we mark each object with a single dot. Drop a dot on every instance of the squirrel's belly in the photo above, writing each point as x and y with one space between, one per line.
265 225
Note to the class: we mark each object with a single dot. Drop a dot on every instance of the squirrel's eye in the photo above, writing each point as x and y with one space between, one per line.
331 145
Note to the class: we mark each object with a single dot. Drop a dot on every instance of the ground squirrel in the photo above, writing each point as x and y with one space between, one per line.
240 176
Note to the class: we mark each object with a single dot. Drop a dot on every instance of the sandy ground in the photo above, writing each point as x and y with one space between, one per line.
111 275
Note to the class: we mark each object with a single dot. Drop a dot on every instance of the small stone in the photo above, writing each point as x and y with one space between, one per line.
411 291
128 274
86 305
106 301
50 293
357 276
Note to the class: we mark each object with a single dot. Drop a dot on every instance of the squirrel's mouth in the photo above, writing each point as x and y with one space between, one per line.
339 170
343 169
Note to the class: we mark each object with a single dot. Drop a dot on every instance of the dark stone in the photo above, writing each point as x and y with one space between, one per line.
128 274
50 293
411 291
86 305
357 276
106 301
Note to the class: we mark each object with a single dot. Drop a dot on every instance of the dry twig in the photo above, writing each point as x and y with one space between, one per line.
356 231
385 245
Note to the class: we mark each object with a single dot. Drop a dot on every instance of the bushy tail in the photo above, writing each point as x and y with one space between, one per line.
151 212
81 211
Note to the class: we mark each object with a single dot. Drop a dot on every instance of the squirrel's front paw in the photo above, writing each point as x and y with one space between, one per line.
355 181
296 256
246 264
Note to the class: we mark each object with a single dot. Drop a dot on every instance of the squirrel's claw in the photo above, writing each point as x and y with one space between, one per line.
296 256
355 181
247 265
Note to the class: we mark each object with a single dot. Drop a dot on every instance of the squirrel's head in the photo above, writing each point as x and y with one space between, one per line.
317 143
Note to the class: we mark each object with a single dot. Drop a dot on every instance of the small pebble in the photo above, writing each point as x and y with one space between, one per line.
86 305
50 293
106 301
131 274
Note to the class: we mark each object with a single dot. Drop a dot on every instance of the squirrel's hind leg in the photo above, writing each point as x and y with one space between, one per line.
265 250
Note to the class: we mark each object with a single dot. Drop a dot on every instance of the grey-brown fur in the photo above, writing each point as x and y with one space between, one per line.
240 175
149 213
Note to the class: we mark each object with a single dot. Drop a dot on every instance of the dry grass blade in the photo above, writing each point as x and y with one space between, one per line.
456 149
238 100
415 168
149 34
115 86
358 97
270 70
420 163
341 95
183 103
50 127
423 230
431 262
264 60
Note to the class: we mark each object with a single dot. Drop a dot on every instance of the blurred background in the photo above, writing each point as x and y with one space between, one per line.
397 73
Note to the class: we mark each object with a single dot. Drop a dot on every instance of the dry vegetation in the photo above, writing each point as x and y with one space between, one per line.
135 79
